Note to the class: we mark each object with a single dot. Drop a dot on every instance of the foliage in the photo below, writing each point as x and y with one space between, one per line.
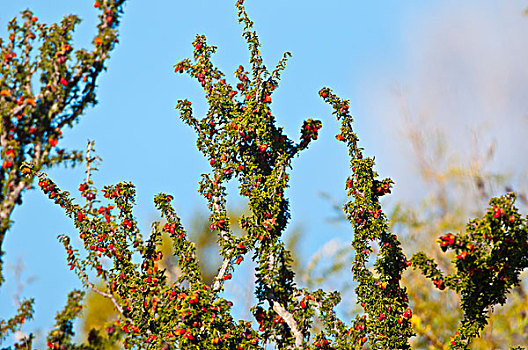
240 138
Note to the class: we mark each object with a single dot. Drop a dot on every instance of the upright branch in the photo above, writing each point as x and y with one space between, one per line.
386 321
34 111
240 138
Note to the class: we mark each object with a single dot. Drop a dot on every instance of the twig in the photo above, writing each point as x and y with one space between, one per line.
89 161
106 295
430 337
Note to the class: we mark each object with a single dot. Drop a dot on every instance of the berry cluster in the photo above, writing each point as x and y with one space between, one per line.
310 131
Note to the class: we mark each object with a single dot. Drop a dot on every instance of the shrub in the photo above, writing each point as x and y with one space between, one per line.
242 141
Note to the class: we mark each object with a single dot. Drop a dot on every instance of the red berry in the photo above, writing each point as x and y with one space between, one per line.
53 141
462 255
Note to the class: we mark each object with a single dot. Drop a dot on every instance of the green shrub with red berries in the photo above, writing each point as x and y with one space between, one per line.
241 139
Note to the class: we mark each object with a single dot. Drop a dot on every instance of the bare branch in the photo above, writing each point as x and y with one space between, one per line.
291 322
100 292
220 277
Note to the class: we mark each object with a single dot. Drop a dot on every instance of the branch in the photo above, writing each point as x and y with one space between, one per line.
431 337
224 234
106 295
220 277
285 314
290 321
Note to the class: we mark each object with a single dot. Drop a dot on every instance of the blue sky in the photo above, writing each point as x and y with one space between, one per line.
460 68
